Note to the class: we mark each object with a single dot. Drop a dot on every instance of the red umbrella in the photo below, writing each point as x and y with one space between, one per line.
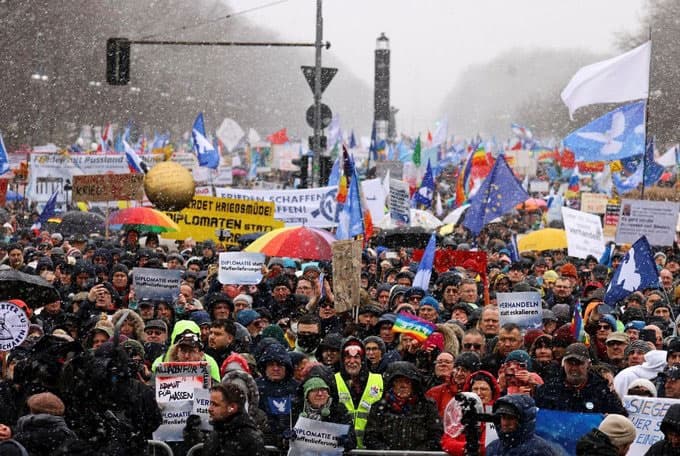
295 242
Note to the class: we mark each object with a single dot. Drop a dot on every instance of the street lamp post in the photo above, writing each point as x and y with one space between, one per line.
381 97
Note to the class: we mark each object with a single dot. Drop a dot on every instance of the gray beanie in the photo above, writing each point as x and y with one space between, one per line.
619 429
376 340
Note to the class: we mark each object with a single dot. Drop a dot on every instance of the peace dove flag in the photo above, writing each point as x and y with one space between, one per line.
618 134
619 79
637 271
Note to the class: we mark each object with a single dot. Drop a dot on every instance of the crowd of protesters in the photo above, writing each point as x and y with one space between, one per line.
82 382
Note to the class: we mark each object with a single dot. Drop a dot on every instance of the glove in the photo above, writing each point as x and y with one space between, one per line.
290 434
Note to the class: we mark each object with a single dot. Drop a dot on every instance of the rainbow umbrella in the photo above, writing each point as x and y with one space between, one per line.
295 242
143 219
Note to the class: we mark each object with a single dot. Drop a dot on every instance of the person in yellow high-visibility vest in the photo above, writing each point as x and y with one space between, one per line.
358 389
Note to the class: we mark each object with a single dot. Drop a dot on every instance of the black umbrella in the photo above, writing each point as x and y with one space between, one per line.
32 289
406 236
245 240
77 222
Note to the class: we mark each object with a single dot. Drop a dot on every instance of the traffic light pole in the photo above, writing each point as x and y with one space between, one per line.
316 161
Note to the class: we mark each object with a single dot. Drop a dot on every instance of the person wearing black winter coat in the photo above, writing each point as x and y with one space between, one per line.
42 434
670 426
277 389
404 419
234 432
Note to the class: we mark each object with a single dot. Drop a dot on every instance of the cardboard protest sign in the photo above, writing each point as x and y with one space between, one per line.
181 390
240 268
317 438
654 219
399 202
346 274
159 284
646 413
584 233
522 308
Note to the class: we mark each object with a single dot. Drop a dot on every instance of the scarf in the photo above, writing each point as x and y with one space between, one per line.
316 413
400 406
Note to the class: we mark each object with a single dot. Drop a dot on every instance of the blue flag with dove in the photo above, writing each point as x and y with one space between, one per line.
618 134
637 271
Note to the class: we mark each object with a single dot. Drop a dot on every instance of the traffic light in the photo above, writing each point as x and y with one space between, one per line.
325 166
303 174
118 61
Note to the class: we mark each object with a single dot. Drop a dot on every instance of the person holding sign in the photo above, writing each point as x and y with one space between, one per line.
234 432
670 426
319 403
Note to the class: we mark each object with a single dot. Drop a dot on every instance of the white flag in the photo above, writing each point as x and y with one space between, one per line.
668 158
622 78
230 133
253 137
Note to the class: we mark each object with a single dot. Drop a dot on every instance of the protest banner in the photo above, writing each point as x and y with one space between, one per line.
13 326
399 202
283 156
181 391
611 219
522 308
154 283
3 191
594 203
565 428
584 233
539 186
314 207
646 413
108 187
654 219
315 437
223 220
346 274
240 268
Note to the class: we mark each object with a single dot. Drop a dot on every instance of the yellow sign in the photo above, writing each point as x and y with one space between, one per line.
224 220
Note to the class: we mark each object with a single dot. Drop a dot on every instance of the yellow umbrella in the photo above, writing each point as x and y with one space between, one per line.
546 239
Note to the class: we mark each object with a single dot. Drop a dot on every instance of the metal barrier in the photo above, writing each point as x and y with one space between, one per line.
194 451
154 444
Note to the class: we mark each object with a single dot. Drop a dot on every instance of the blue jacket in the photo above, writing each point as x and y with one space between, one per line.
523 441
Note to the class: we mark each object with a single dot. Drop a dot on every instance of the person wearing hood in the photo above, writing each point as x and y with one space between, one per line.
44 430
404 419
612 437
236 373
650 369
183 328
377 355
358 389
277 389
318 401
515 419
670 426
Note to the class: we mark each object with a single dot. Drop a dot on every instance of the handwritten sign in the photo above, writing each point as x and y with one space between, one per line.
584 233
646 413
108 187
181 390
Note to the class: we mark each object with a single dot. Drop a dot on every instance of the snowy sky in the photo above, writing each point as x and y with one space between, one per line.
432 41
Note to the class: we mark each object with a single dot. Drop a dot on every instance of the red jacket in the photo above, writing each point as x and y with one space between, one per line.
442 394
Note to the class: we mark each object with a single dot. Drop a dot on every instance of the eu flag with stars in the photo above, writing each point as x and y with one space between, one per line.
618 134
499 193
637 271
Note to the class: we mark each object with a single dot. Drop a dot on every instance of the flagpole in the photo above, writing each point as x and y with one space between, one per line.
644 155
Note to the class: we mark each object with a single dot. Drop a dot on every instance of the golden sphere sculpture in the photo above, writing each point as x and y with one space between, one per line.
169 186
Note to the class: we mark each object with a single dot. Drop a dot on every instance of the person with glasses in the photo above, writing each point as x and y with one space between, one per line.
414 295
577 388
616 344
330 322
474 341
443 371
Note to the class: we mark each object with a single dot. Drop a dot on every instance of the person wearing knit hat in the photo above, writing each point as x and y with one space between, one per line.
242 301
375 350
562 312
429 309
46 403
613 437
634 354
